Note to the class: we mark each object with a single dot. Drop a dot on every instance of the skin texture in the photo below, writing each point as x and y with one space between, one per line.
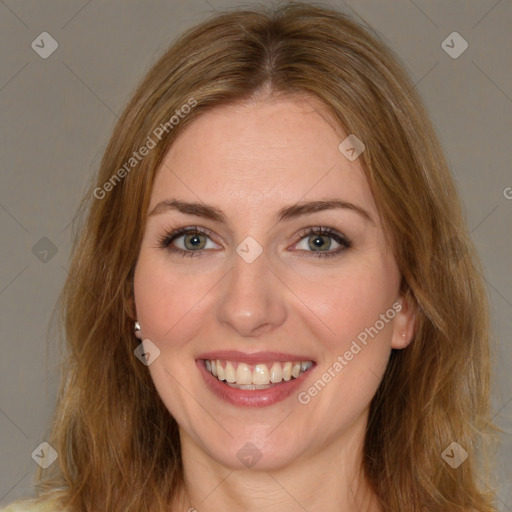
250 160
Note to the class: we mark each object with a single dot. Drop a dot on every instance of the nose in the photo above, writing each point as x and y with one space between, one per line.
252 299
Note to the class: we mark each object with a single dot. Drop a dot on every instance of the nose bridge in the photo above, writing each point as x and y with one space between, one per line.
251 298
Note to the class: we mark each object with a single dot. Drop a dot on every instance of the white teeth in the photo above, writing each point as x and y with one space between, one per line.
229 373
259 376
276 373
243 374
252 387
287 371
305 365
220 371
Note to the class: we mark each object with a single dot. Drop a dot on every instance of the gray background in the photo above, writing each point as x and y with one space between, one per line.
57 114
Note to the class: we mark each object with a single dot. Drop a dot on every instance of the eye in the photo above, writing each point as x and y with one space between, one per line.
192 241
323 242
189 241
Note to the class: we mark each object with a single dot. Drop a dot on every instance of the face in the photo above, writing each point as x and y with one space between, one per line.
266 283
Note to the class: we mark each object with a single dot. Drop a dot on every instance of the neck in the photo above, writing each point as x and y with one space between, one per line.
330 480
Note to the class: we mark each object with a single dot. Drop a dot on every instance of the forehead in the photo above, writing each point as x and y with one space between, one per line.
262 153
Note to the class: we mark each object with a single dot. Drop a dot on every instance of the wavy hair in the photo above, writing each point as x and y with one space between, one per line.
118 445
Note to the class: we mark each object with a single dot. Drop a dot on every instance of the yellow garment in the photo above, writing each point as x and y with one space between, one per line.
32 505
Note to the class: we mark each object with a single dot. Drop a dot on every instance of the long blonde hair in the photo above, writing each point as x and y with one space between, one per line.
118 445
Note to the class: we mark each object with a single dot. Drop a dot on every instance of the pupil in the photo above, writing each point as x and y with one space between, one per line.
319 242
193 241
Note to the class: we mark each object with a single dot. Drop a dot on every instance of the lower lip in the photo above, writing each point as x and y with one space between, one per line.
251 398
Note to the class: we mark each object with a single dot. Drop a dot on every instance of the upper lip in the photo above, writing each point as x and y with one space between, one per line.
253 357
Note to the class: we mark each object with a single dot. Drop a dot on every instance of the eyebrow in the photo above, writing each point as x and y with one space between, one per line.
289 212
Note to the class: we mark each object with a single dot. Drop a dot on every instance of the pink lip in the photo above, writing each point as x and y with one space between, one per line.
254 358
251 398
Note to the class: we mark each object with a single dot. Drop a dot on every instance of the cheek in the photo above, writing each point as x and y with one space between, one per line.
165 300
350 300
355 322
169 308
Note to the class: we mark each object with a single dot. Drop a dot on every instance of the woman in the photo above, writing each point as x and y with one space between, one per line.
274 303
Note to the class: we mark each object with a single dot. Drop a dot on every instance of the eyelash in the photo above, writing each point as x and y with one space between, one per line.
165 241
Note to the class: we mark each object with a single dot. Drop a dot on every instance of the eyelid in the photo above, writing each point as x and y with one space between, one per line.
324 230
173 233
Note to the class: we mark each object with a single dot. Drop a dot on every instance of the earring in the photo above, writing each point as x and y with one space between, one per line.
137 329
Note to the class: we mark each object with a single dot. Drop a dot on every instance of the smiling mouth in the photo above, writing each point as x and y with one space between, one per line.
259 376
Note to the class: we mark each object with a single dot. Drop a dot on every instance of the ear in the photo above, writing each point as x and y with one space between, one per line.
137 332
404 324
130 309
129 300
